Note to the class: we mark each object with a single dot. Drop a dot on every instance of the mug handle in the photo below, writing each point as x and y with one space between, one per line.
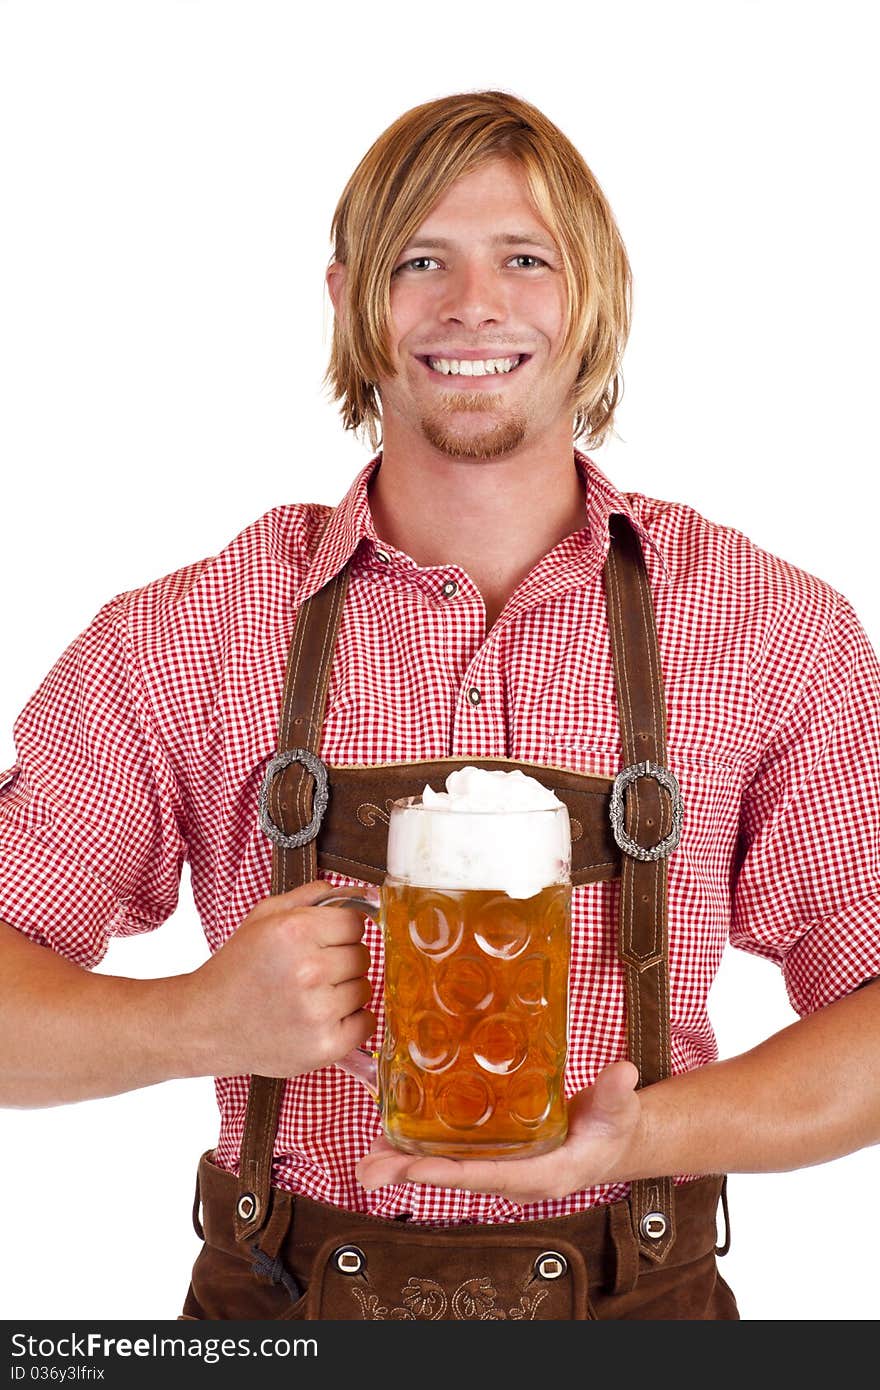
360 1062
370 907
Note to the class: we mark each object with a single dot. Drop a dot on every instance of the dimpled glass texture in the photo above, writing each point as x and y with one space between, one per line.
476 1009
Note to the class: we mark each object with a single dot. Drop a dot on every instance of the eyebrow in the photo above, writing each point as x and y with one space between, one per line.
500 239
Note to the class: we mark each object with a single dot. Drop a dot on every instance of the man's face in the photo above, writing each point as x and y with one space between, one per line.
481 282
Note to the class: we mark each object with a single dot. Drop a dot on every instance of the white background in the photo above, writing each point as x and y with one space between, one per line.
168 173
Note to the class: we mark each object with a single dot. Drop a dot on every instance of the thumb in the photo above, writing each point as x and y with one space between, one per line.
611 1094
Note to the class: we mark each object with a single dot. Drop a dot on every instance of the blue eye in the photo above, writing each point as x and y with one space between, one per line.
415 261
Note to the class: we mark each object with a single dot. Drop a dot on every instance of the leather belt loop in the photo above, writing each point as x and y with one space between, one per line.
280 1223
626 1247
642 929
197 1202
723 1249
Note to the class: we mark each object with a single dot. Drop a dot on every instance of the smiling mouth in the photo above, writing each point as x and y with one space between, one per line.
458 376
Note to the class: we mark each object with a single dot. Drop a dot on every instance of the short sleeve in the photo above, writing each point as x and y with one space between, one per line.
91 841
806 886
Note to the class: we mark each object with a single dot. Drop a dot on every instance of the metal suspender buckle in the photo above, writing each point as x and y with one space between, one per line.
318 769
615 810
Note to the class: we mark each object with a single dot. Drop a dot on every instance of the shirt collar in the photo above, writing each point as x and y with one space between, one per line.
351 522
603 500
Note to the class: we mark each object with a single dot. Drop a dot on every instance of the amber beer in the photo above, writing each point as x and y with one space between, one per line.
476 1012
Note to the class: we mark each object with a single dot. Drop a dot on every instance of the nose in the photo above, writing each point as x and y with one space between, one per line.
474 295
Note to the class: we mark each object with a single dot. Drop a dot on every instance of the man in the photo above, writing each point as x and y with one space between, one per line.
477 623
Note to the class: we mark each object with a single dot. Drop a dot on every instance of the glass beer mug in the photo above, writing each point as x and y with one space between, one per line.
475 912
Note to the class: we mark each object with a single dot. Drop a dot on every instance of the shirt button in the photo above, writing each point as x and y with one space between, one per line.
383 556
449 588
474 695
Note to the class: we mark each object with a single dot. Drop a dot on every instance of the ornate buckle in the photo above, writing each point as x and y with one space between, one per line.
318 769
615 810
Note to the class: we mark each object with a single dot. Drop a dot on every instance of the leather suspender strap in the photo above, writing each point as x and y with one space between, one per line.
294 860
642 914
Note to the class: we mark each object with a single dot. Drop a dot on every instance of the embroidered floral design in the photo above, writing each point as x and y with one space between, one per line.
371 1311
424 1300
473 1299
528 1306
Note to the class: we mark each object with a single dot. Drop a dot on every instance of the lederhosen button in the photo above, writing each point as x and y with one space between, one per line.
349 1259
653 1225
551 1265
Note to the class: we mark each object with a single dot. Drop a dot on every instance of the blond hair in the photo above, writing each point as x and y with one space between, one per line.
401 177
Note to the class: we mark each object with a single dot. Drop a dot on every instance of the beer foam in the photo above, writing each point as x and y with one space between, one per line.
489 830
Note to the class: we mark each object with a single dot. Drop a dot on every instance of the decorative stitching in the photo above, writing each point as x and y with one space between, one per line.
425 1300
368 814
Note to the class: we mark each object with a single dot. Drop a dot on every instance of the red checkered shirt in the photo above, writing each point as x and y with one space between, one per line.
146 745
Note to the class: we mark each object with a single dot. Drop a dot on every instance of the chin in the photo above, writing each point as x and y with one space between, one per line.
482 444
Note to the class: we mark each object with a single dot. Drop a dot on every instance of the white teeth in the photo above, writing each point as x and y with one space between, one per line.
452 366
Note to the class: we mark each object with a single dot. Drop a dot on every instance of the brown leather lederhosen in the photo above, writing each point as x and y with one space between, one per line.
269 1253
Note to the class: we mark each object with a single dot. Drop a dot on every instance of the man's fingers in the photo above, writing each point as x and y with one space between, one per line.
337 926
330 924
507 1178
346 963
378 1169
307 894
523 1180
351 996
355 1030
385 1164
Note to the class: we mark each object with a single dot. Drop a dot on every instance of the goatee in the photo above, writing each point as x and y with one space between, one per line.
500 438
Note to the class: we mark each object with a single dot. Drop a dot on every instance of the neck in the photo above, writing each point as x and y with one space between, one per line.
495 518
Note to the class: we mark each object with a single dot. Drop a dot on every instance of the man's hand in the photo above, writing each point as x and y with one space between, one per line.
808 1094
603 1127
287 993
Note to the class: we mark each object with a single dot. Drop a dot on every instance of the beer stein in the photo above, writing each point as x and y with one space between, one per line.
475 912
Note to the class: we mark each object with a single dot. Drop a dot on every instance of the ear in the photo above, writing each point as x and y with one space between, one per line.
336 284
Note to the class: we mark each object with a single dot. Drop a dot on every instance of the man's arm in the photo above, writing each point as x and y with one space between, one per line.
284 995
67 1034
806 1095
